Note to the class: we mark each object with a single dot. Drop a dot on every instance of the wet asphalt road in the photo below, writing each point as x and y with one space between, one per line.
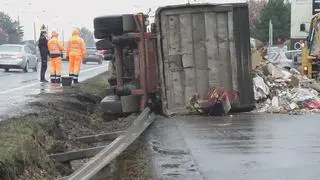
247 147
17 87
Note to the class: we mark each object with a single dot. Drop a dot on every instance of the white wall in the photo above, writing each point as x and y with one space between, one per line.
301 12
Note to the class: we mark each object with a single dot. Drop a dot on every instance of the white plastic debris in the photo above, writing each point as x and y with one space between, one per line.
226 105
294 71
275 102
302 94
293 106
260 89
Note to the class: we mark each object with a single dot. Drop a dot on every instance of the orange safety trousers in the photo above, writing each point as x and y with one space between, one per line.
55 66
74 66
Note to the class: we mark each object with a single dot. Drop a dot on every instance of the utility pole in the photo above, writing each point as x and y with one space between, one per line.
34 34
270 33
62 36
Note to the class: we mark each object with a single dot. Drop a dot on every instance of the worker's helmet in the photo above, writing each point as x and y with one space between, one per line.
54 34
76 31
43 28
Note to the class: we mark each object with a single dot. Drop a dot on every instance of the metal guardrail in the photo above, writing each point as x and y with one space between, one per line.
105 156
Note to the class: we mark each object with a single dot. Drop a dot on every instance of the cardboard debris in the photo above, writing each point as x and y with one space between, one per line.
280 90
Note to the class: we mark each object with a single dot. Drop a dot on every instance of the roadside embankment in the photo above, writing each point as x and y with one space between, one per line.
56 119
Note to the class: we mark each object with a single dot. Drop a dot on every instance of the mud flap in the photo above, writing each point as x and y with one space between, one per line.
130 103
115 106
111 105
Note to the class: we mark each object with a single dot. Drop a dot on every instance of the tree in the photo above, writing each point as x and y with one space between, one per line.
87 36
30 44
255 8
279 12
11 29
3 36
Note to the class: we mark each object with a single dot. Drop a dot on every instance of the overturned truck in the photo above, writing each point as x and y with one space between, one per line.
191 51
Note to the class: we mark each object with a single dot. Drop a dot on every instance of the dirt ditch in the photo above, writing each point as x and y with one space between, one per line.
26 141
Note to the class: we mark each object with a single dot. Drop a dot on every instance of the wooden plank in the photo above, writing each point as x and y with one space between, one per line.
188 64
224 56
212 48
175 62
161 44
76 155
233 55
200 56
186 48
99 137
105 156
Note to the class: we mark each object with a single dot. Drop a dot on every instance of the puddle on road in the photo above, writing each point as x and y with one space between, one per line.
30 80
47 88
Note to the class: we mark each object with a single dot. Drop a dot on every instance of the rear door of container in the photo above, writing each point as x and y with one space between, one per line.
197 52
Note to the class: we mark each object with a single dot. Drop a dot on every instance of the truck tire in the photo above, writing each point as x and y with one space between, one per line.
116 24
104 44
129 23
106 25
100 34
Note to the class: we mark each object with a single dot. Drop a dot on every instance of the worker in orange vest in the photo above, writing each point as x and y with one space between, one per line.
76 51
55 53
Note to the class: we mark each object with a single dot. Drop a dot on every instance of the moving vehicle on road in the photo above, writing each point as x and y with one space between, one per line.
93 55
15 56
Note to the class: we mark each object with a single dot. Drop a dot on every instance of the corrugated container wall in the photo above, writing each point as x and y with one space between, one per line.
203 46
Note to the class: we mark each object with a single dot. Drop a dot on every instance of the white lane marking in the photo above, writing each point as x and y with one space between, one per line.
90 69
33 84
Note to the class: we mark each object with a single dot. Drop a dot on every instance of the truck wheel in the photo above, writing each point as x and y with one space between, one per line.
129 23
106 25
35 69
26 68
100 34
117 24
104 44
6 70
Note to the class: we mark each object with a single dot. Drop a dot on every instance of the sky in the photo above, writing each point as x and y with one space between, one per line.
64 15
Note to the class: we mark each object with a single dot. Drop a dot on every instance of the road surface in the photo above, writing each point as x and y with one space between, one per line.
240 147
17 87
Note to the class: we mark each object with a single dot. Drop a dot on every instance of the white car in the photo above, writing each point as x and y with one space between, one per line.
15 56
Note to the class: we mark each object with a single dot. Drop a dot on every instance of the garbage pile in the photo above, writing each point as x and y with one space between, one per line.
217 103
284 90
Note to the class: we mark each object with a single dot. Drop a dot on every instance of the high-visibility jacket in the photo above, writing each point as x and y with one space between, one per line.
76 46
55 47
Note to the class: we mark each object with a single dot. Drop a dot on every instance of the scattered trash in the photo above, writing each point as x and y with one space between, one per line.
217 103
260 89
284 90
